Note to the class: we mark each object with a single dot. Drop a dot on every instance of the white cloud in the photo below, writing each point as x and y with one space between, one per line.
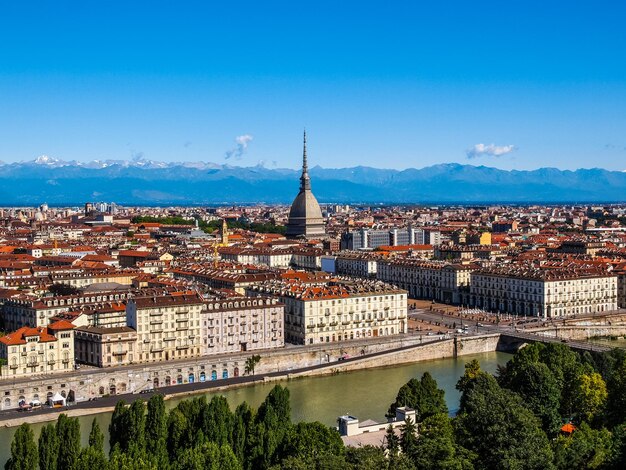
240 148
490 150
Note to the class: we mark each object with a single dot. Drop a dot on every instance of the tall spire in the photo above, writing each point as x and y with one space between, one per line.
305 181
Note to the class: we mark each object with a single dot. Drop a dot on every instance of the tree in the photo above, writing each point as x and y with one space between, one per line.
408 438
242 420
392 442
251 364
311 440
135 427
48 448
538 387
366 458
23 450
217 421
585 448
422 395
495 425
118 427
156 430
68 432
589 396
96 438
436 446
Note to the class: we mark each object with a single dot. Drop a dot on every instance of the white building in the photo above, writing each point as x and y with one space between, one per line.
168 326
527 290
323 312
242 324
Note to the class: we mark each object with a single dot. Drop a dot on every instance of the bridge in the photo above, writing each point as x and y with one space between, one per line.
513 340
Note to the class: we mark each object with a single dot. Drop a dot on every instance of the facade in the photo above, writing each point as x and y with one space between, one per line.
526 290
305 217
436 280
242 324
338 311
105 347
168 326
356 264
26 311
38 350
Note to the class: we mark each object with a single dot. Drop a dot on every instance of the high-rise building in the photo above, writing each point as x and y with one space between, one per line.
305 216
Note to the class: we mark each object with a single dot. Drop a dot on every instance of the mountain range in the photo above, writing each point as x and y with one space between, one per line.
144 182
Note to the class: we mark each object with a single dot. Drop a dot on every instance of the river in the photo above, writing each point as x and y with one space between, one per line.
365 394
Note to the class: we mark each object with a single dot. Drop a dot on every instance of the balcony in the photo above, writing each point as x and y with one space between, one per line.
156 349
334 323
65 361
182 319
183 346
345 322
169 339
321 325
182 327
120 353
310 327
156 314
13 366
156 322
50 363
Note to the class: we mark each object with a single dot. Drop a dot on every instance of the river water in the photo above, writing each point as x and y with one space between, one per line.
365 394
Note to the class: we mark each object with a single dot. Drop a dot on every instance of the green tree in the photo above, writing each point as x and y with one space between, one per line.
273 421
311 440
495 425
48 448
617 457
251 364
68 432
242 420
436 446
589 395
96 438
217 421
538 387
408 438
118 435
616 394
23 450
422 395
586 448
392 442
366 458
156 430
135 427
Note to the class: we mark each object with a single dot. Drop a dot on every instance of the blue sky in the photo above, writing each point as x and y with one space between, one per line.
386 84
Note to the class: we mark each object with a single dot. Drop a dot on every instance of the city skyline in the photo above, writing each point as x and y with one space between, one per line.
387 87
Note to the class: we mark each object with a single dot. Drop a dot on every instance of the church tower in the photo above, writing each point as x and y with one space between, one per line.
224 232
305 216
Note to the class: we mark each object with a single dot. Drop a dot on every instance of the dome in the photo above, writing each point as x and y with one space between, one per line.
305 215
305 206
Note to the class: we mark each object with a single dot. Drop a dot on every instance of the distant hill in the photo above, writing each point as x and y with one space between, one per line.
142 181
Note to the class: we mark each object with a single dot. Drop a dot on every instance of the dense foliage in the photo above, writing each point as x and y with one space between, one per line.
515 420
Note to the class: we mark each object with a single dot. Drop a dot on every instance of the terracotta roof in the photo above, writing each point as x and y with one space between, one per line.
61 325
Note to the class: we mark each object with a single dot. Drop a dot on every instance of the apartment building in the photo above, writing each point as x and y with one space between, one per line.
38 350
524 289
242 324
105 347
168 325
437 280
323 312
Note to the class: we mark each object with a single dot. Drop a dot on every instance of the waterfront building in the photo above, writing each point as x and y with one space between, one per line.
38 350
330 311
524 289
105 347
436 280
167 325
305 216
242 324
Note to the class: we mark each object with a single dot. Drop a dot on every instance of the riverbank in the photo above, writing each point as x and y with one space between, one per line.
412 353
